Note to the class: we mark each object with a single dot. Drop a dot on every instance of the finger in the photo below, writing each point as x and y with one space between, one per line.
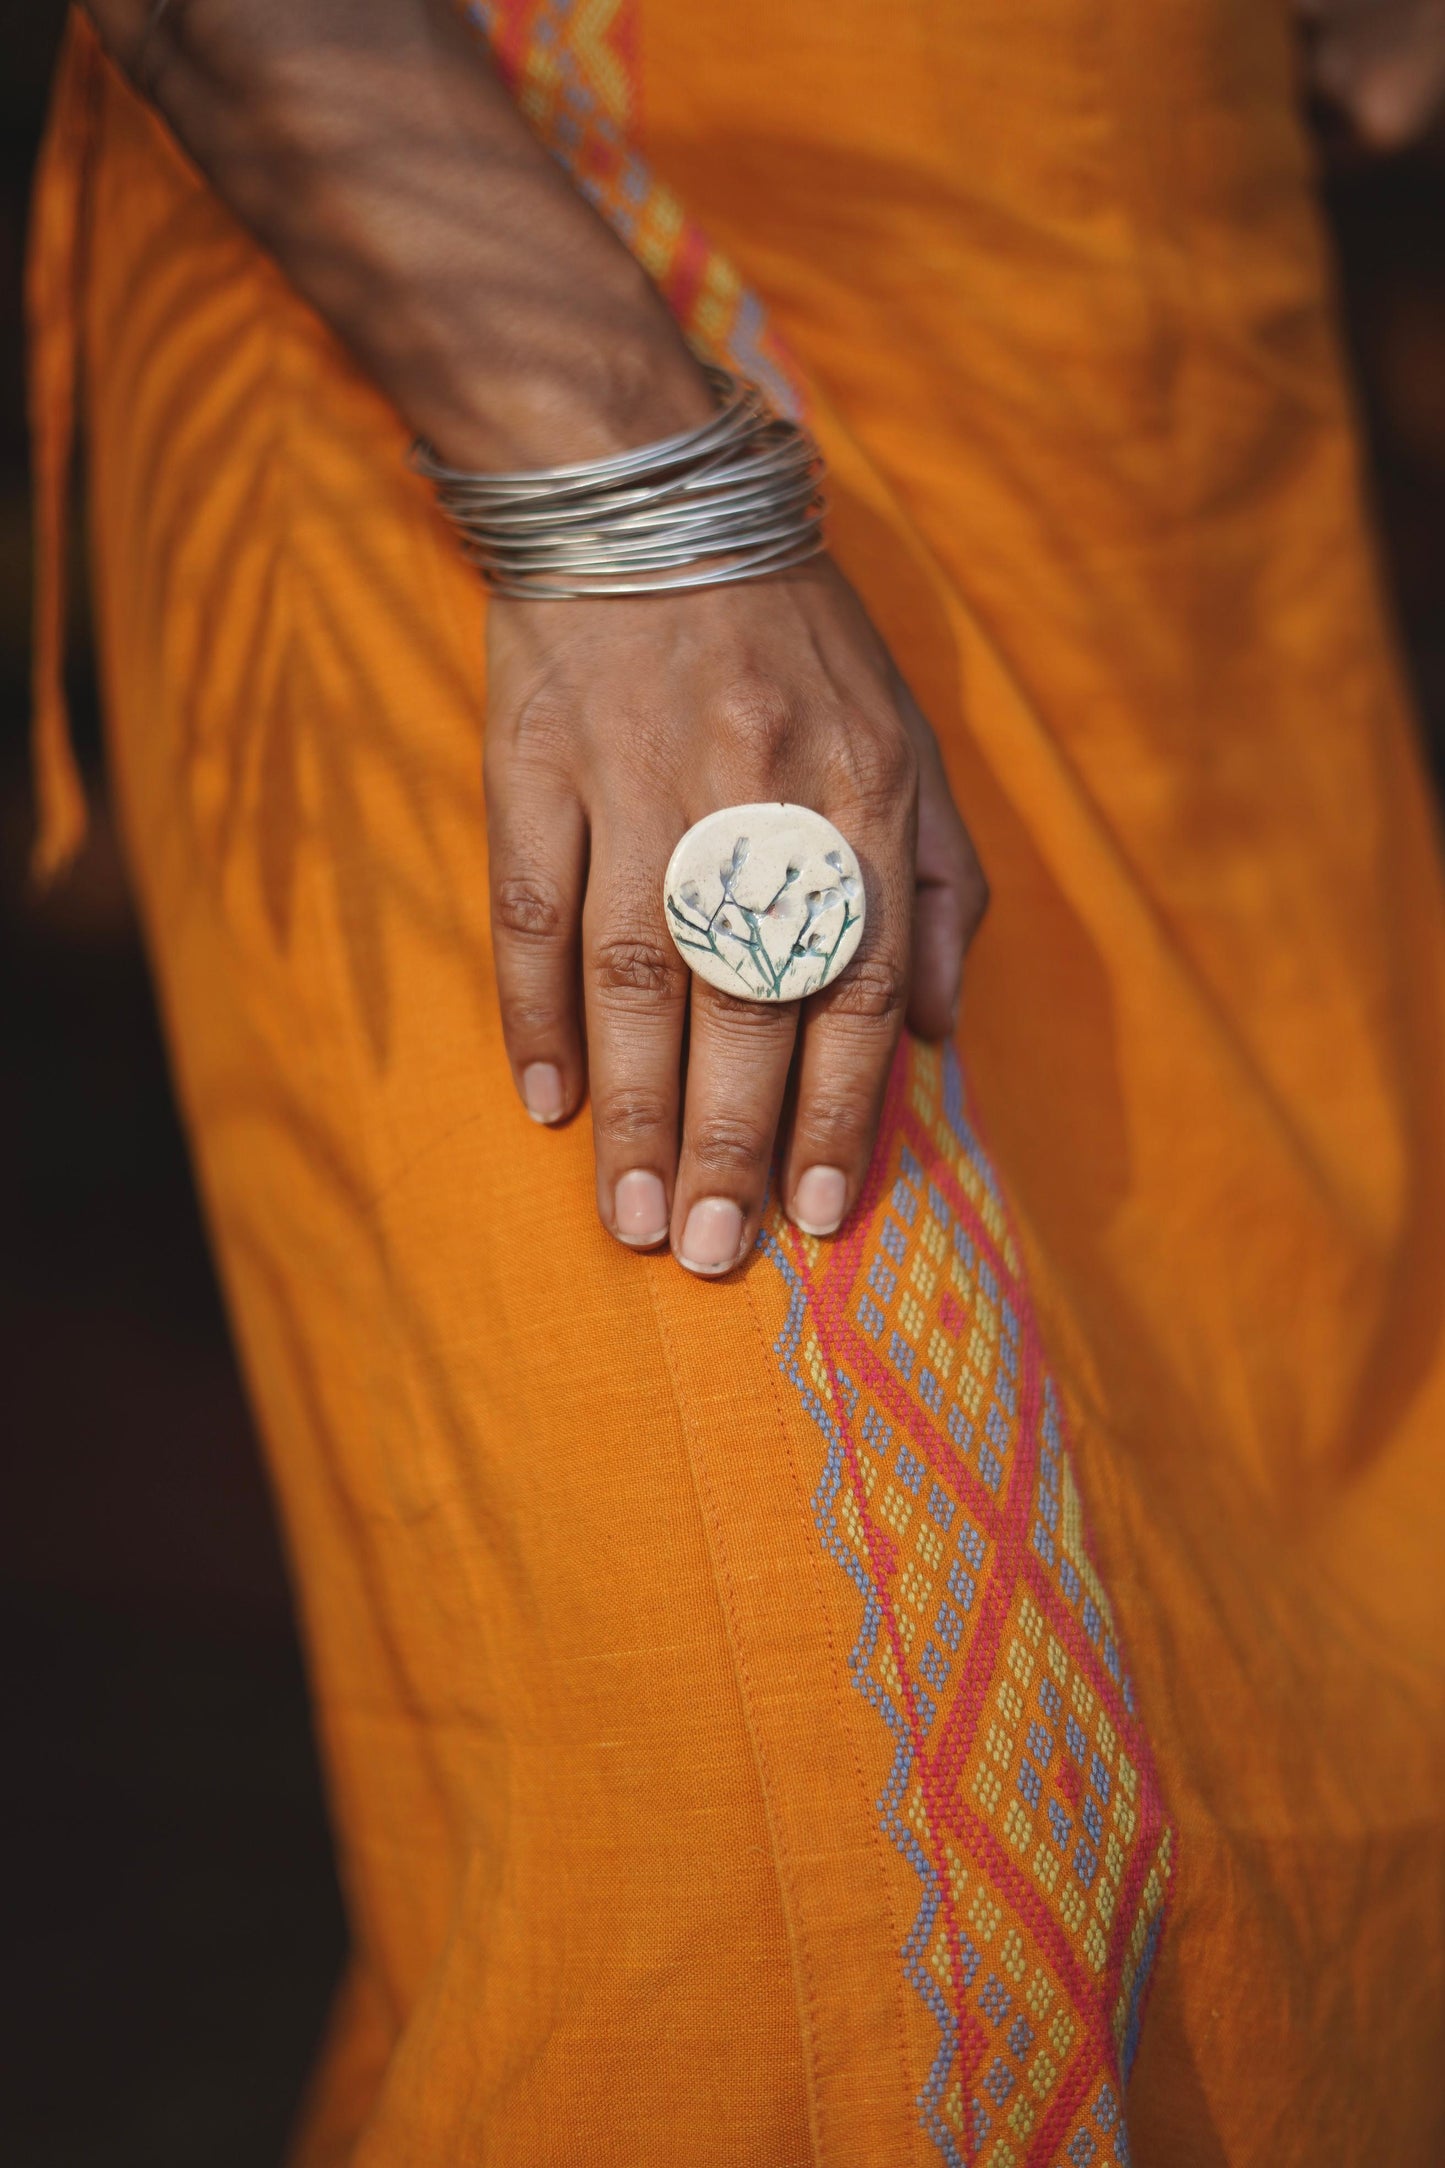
851 1030
737 1070
949 900
1399 96
635 988
1385 67
537 844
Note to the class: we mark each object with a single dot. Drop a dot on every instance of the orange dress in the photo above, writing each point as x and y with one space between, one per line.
740 1755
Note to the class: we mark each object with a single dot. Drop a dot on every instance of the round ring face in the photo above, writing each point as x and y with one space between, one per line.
765 901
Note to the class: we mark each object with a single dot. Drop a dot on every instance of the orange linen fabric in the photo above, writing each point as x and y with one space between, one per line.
588 1554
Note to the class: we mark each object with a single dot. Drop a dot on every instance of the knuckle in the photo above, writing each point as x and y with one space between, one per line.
727 1144
531 741
632 1115
542 724
836 1122
756 718
632 964
528 907
529 1021
874 988
880 766
731 1018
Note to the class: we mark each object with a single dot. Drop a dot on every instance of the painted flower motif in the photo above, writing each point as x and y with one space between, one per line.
819 900
729 872
782 905
777 938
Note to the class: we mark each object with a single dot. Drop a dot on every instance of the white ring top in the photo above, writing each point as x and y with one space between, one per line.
765 901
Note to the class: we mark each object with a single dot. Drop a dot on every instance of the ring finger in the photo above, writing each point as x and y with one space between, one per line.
850 1033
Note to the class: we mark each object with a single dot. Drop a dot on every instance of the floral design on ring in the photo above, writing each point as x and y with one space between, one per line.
765 901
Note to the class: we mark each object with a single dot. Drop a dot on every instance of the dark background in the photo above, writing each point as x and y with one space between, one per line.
172 1927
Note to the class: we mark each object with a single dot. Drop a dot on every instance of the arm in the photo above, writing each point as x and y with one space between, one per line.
371 149
373 152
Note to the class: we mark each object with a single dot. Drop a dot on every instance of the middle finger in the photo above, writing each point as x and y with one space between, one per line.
737 1070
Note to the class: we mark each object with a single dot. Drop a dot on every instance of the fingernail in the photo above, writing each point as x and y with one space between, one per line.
542 1091
713 1235
639 1209
819 1199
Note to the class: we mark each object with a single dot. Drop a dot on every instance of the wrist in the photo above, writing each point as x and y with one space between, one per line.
369 146
624 385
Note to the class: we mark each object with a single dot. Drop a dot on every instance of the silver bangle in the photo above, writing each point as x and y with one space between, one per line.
736 498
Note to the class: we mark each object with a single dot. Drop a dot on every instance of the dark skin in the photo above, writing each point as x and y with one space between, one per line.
1382 62
372 151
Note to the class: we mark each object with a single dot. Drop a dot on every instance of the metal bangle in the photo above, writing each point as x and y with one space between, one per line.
738 497
732 417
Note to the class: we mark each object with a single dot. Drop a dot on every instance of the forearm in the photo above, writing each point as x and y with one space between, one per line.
372 150
369 146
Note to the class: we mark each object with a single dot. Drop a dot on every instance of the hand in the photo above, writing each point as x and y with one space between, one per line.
613 725
1381 61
